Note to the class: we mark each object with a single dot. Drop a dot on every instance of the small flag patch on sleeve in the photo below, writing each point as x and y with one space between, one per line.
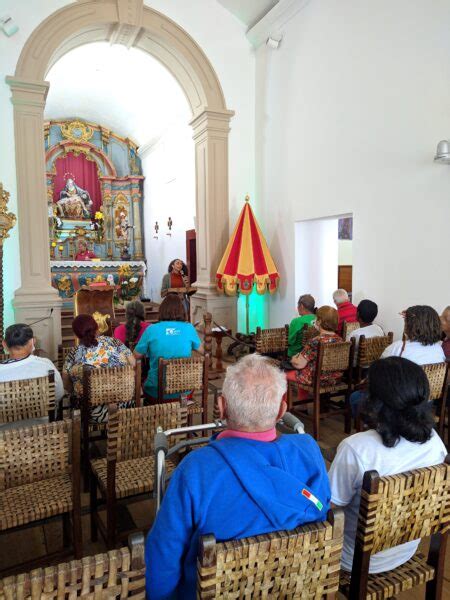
317 503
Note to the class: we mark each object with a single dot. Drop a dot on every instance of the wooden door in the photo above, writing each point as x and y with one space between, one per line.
345 277
191 254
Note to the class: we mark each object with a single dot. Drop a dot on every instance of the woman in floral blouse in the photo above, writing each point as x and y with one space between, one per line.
305 361
97 351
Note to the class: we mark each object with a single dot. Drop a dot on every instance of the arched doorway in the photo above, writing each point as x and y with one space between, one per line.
131 23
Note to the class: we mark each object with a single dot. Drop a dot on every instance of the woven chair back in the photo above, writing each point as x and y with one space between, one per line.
3 356
63 351
118 574
269 341
301 563
349 328
110 385
182 374
131 431
404 507
27 398
437 375
308 333
336 356
34 453
371 349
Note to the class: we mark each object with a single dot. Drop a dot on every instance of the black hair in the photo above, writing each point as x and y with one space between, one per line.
367 311
398 404
422 324
184 269
18 335
135 315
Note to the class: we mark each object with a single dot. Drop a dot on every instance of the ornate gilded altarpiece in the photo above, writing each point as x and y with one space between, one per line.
94 208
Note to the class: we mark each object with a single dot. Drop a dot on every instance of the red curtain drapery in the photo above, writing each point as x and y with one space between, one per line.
85 174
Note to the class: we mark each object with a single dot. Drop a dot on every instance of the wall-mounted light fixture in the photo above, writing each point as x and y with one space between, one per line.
8 26
169 226
443 152
156 228
273 41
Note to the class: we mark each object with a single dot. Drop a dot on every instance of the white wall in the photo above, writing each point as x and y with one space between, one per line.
316 260
349 112
345 252
169 191
222 38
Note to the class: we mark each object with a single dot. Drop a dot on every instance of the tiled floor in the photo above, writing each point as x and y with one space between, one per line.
38 541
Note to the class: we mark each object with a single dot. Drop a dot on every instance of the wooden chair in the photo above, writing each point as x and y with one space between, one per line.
181 375
301 563
348 328
40 477
63 351
439 379
272 341
118 574
370 350
395 510
105 386
27 399
330 357
129 467
308 333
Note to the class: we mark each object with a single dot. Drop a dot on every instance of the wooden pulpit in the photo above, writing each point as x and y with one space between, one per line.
97 301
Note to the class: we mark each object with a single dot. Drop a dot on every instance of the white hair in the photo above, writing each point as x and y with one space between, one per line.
253 390
340 296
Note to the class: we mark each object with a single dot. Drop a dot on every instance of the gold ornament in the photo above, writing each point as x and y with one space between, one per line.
76 131
102 321
7 219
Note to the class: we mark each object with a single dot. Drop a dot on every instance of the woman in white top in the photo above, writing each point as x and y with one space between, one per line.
401 437
422 343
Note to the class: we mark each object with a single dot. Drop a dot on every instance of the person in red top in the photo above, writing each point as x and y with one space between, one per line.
445 323
346 310
130 332
84 253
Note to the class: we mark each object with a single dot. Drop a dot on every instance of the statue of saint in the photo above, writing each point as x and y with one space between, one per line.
74 202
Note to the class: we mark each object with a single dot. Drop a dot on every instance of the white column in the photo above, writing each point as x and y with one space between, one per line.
36 297
211 130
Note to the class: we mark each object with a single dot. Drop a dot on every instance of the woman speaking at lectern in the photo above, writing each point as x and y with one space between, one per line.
176 281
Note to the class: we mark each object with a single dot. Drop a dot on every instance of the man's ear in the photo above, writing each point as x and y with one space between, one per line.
5 347
222 405
283 409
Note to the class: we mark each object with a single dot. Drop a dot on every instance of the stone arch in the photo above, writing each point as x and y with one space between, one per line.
131 23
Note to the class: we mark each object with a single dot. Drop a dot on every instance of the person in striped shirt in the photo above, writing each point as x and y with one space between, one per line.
346 310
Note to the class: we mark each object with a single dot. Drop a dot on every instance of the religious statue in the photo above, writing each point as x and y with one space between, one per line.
83 252
74 202
122 226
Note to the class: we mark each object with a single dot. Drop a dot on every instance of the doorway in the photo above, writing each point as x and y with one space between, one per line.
323 257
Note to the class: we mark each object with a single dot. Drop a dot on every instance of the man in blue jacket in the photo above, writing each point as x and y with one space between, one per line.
247 481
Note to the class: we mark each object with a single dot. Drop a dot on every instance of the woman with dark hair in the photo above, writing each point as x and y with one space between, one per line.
97 351
422 337
130 332
401 438
172 337
175 278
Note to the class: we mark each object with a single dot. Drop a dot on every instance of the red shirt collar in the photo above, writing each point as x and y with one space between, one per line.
260 436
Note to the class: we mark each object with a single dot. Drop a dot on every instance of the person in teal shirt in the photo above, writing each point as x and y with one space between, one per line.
171 337
306 310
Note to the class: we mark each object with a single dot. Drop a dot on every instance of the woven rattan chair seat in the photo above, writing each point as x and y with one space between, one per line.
390 583
135 476
34 501
195 408
326 389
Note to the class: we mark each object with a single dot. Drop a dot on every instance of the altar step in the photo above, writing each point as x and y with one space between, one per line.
68 338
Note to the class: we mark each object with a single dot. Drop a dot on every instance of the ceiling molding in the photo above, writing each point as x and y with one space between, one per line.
272 23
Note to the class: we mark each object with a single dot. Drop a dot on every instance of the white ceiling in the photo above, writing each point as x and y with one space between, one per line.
248 11
123 89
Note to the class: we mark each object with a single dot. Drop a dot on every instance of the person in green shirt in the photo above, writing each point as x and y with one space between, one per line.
306 310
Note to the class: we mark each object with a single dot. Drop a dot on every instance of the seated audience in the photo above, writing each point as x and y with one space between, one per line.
422 333
305 362
401 438
131 331
366 315
445 323
172 337
97 351
346 310
23 364
306 310
247 481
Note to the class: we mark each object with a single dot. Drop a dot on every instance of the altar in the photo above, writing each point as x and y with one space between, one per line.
128 277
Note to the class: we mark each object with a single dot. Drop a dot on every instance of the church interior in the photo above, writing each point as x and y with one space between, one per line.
225 361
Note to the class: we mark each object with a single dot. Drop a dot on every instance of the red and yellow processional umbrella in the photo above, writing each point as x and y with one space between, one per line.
247 261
